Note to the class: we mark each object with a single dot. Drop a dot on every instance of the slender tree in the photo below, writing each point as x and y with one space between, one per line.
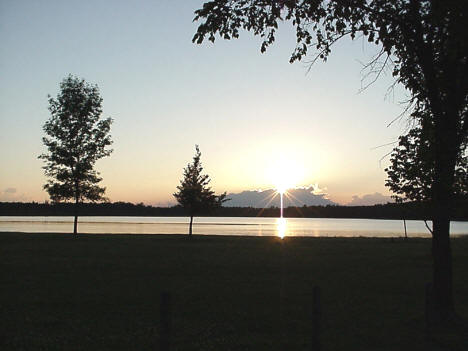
76 137
424 42
194 193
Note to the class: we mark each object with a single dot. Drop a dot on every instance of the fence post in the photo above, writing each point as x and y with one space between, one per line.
165 330
316 317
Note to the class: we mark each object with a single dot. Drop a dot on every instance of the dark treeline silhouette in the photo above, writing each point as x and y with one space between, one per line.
410 210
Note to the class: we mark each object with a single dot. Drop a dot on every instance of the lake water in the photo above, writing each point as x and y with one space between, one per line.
252 226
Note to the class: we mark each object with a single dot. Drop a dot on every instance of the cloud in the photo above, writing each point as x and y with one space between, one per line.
12 195
369 200
316 189
310 196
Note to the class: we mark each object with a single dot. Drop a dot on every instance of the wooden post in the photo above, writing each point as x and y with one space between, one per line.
165 330
406 233
316 317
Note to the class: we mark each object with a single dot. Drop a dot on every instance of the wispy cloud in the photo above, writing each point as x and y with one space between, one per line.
12 195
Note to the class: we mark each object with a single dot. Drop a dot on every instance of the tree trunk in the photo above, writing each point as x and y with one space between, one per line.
442 197
441 251
442 270
75 223
190 227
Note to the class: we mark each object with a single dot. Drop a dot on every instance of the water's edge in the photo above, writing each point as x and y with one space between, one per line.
244 226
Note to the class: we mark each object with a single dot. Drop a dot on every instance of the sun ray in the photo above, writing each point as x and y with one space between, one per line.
295 206
292 197
270 199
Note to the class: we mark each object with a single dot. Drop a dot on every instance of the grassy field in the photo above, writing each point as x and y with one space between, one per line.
102 292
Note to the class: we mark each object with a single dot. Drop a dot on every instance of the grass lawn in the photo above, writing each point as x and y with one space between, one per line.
102 292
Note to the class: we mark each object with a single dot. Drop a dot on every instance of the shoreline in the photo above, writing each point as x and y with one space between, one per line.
214 216
230 236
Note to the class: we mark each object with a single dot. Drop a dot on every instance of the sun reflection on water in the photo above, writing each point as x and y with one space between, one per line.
281 226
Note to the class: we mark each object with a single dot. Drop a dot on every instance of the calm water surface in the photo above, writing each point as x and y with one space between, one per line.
252 226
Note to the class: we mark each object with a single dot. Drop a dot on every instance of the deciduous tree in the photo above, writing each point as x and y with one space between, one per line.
412 167
425 42
76 137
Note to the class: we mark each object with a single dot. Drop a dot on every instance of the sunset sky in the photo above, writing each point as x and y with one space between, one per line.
252 114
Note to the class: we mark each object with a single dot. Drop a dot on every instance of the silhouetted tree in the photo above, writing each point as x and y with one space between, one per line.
426 45
412 167
194 193
76 139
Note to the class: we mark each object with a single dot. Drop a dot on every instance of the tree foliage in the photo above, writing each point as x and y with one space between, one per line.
412 167
194 192
423 42
75 138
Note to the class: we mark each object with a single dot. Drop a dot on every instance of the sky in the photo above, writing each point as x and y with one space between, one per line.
255 116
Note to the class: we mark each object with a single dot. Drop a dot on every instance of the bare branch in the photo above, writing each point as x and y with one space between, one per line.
383 157
409 106
321 53
428 228
387 144
375 67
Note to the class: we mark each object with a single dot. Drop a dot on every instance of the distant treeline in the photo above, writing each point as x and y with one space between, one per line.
411 210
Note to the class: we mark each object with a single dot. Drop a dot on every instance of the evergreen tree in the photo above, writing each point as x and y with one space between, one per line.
194 193
76 138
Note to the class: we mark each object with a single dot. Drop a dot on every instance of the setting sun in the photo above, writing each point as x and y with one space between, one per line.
286 173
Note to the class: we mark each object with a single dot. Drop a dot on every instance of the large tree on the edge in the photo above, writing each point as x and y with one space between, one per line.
76 138
426 44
